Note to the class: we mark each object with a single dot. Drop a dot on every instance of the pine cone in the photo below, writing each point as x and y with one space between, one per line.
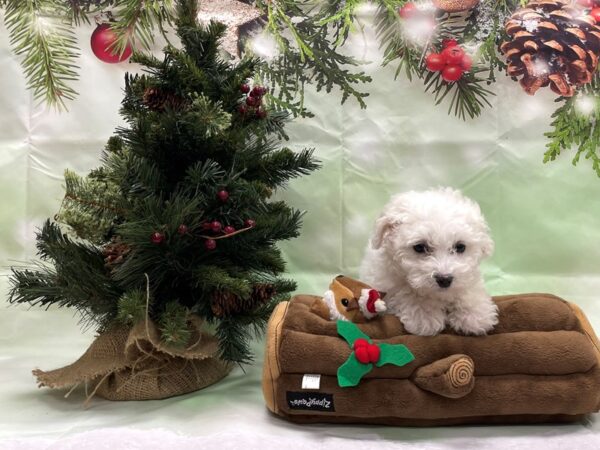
225 303
115 252
158 100
555 43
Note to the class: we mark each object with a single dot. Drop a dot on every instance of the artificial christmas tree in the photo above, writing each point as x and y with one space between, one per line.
136 247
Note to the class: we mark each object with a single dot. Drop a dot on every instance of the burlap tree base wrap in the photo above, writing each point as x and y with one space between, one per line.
132 364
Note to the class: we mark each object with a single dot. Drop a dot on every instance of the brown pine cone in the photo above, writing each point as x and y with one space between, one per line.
553 43
225 303
158 100
115 252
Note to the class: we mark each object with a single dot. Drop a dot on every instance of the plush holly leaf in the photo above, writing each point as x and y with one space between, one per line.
396 354
350 332
350 373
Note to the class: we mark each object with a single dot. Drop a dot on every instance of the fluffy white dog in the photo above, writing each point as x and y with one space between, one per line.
425 253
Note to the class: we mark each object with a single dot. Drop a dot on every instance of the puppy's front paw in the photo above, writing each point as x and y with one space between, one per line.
476 319
422 324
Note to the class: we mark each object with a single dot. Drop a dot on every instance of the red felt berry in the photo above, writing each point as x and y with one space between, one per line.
210 244
449 43
453 55
360 342
157 238
374 353
223 195
595 13
452 73
466 63
362 355
408 10
435 62
252 101
228 229
242 109
216 226
182 229
245 88
261 113
249 223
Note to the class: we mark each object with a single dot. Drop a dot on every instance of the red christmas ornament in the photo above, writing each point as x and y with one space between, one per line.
453 54
249 223
182 229
157 238
252 101
245 88
228 229
216 226
452 72
102 41
223 195
449 43
210 244
261 113
435 62
595 13
466 63
408 10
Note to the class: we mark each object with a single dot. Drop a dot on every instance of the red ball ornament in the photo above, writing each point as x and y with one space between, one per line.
466 63
435 62
408 10
252 101
182 229
228 229
210 244
245 88
261 113
453 54
157 238
102 41
595 13
223 195
452 72
449 43
249 223
216 226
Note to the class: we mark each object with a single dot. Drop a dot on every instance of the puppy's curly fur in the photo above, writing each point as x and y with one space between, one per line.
425 253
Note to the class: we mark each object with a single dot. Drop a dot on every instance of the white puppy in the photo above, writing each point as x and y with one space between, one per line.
425 253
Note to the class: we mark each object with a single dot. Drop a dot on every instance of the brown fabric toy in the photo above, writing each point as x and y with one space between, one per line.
349 299
540 364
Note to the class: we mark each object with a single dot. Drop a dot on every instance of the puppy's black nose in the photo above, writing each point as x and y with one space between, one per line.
443 281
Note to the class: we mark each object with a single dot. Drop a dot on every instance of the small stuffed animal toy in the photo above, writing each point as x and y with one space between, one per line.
350 300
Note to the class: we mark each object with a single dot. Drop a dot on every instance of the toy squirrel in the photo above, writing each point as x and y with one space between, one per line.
350 300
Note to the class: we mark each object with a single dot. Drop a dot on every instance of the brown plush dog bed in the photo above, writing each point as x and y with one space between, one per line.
540 364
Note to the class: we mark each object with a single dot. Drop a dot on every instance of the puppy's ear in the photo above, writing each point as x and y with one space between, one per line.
383 225
487 246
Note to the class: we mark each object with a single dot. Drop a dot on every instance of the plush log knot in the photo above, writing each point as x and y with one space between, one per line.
461 371
451 377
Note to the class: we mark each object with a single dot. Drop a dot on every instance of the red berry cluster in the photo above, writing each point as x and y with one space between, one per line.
452 61
365 352
252 104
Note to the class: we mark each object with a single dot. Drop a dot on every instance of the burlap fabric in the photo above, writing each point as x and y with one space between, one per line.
126 363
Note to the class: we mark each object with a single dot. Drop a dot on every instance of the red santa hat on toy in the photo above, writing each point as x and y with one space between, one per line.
371 303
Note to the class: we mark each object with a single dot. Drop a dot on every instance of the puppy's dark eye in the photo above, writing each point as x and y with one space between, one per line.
420 248
345 302
460 247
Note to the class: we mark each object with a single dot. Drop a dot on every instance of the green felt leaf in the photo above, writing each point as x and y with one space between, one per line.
350 332
350 373
397 354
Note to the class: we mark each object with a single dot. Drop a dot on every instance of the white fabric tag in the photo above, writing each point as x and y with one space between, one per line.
311 381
